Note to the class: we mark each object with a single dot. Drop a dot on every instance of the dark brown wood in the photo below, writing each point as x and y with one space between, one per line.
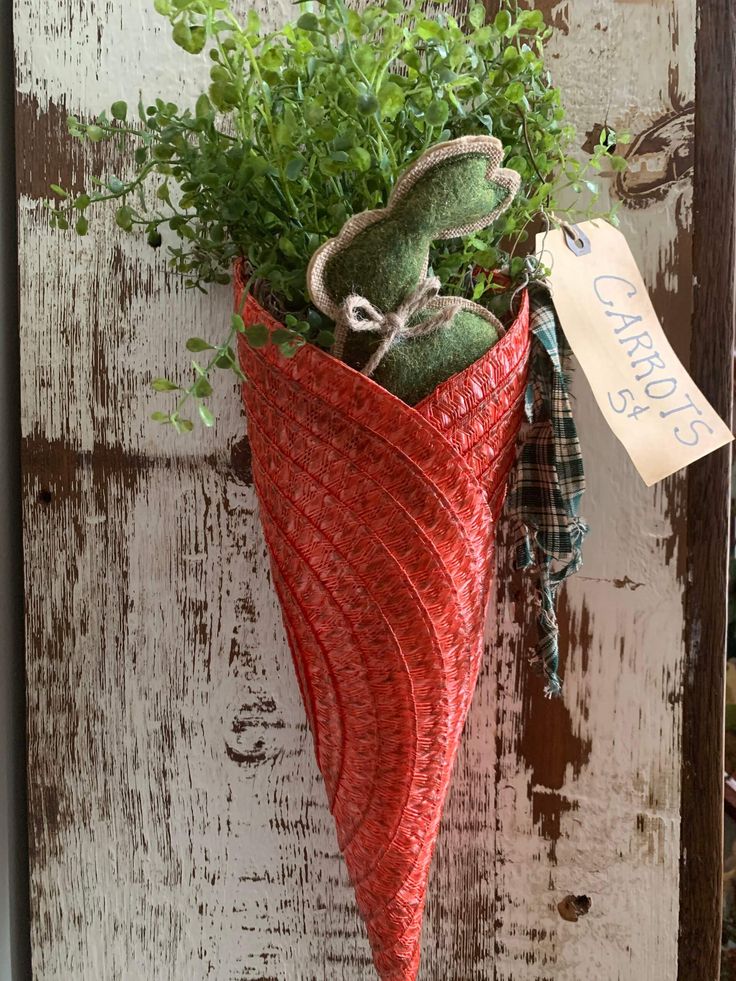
15 952
714 256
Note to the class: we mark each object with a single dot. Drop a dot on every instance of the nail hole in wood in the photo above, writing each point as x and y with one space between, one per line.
45 496
573 907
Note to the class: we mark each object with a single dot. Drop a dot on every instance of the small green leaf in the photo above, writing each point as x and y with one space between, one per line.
124 218
224 95
226 359
287 247
412 60
437 113
368 104
203 106
344 140
163 152
531 20
95 133
429 30
308 22
119 110
294 168
518 164
502 23
328 132
361 159
201 388
517 267
82 225
237 324
315 319
162 417
288 349
196 344
273 58
257 335
515 92
205 415
82 202
192 39
477 15
59 191
283 133
182 34
164 385
391 99
281 336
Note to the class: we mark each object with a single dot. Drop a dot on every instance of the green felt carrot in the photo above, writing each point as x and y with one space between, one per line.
391 320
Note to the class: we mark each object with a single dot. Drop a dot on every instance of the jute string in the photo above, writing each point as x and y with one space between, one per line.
358 314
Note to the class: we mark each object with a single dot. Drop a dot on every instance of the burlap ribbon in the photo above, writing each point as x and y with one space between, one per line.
359 314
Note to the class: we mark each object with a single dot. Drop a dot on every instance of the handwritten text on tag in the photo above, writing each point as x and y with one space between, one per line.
648 399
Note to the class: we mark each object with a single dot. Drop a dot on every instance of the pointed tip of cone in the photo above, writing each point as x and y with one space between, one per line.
405 968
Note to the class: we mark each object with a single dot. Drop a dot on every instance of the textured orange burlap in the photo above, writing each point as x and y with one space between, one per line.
380 521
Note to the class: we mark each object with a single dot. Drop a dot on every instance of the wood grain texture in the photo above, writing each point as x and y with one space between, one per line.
179 825
714 261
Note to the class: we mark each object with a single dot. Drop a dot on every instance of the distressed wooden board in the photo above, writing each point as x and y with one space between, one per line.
714 324
179 825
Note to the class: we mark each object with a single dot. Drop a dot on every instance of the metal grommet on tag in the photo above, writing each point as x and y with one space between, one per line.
576 239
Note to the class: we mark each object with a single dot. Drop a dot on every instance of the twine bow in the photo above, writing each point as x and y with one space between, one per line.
359 314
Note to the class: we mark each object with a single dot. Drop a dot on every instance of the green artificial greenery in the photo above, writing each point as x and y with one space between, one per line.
305 126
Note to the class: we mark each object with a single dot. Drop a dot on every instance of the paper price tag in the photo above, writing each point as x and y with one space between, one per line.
648 399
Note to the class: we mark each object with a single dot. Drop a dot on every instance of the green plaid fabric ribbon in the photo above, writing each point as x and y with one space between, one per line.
548 481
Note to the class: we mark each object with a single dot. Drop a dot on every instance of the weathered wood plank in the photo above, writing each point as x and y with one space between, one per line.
587 797
15 948
180 828
708 502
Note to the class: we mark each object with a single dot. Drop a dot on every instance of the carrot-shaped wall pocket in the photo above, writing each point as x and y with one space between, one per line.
381 470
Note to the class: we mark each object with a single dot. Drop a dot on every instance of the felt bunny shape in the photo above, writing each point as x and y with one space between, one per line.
372 278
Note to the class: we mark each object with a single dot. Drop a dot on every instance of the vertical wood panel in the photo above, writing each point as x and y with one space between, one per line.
179 825
15 950
709 494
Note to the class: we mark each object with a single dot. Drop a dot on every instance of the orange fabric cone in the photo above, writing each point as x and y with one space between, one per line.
380 520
